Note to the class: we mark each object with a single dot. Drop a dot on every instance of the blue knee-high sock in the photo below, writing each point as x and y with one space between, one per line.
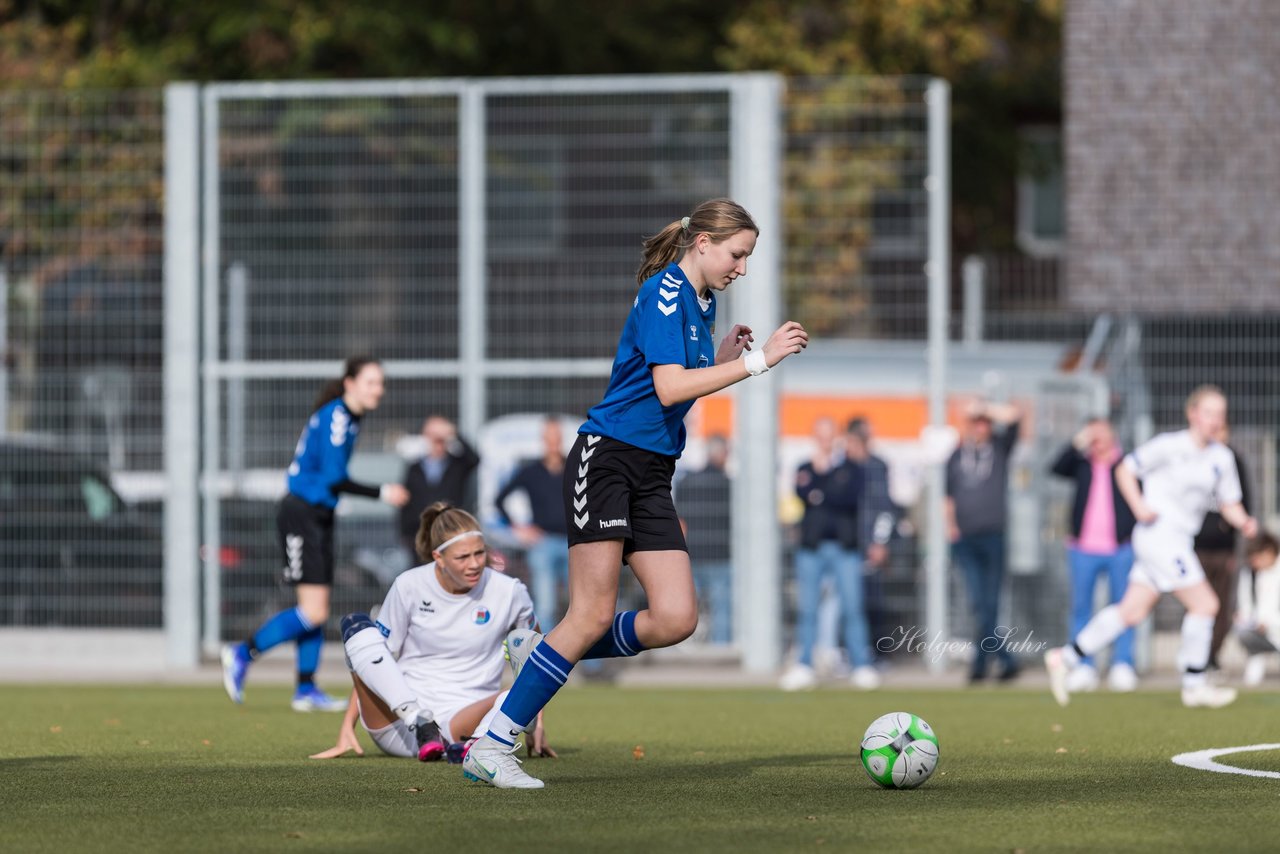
620 641
284 626
541 677
309 656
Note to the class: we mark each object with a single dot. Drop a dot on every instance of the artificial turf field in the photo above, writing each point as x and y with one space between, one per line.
177 769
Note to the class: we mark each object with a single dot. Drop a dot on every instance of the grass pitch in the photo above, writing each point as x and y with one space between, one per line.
121 768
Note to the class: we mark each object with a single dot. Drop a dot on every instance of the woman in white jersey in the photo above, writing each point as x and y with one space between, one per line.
1184 475
427 672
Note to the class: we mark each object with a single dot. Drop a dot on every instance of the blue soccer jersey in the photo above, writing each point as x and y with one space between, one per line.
324 449
667 326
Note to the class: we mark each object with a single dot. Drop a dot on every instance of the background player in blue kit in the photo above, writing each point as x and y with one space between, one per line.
317 476
617 484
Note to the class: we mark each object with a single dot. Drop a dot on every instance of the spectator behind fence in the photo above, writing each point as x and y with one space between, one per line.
443 474
879 516
1101 525
830 485
1258 616
1215 546
545 536
704 498
976 514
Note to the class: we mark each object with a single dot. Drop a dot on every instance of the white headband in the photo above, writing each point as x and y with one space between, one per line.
453 540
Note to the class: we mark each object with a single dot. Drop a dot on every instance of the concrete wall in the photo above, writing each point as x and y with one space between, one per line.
1172 154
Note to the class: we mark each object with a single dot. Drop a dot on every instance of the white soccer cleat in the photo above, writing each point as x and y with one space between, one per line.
1208 696
490 761
518 645
865 678
1058 672
1255 670
1122 679
799 677
1082 680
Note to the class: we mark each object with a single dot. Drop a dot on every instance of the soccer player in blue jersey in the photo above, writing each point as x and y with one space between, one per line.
317 476
617 480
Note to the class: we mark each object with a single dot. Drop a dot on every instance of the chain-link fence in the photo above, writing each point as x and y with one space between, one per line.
81 332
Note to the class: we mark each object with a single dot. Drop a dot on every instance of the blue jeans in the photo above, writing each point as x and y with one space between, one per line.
1085 569
549 571
981 559
845 565
715 590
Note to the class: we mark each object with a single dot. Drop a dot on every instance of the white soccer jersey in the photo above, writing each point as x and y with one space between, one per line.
1182 481
449 646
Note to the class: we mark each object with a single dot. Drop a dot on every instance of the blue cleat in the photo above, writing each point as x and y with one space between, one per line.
312 699
235 666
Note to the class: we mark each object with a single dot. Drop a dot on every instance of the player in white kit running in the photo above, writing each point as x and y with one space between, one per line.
428 672
1184 475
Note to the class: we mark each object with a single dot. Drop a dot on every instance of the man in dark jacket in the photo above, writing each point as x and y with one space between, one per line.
1101 525
831 487
704 498
444 474
1215 546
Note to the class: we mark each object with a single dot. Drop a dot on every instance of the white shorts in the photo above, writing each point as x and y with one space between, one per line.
1164 560
397 740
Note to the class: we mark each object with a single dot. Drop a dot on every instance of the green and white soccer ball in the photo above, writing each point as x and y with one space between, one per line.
899 751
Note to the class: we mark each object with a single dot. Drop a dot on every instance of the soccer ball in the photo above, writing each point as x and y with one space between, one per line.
899 751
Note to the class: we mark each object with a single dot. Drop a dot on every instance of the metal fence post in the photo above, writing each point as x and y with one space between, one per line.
755 180
181 373
938 269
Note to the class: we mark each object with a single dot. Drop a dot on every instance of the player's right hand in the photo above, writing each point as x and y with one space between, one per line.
789 339
347 741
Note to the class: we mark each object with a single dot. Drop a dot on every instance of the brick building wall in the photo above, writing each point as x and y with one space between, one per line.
1172 150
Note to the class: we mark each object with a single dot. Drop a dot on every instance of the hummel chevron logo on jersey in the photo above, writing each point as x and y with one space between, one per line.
668 295
579 503
579 485
581 521
293 553
591 440
338 427
587 452
582 469
670 281
666 309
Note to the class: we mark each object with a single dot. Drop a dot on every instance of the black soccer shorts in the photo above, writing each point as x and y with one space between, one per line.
614 491
306 541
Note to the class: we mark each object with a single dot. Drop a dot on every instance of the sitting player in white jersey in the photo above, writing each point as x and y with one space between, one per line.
1184 474
427 673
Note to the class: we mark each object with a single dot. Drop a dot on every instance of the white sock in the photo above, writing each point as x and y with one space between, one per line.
1099 632
1193 655
487 720
369 658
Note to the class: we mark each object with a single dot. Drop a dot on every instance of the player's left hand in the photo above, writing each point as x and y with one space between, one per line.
738 339
347 741
536 743
1250 527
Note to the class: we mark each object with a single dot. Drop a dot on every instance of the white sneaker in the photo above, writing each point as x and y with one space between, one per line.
865 678
1208 696
799 677
1082 680
490 761
518 645
1058 672
1254 670
1122 679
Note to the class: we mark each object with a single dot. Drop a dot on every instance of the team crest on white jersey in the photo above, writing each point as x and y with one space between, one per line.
481 615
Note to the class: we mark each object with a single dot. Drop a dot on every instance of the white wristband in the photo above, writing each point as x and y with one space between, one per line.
754 360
